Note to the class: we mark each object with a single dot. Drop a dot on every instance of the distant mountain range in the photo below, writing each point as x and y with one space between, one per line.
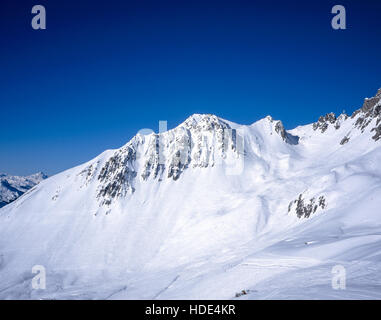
12 187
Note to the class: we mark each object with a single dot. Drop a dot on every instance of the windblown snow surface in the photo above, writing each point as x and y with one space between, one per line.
206 210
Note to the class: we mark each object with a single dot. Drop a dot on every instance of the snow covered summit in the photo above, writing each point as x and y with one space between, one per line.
208 209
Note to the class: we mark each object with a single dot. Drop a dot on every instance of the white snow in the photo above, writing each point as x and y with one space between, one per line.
214 231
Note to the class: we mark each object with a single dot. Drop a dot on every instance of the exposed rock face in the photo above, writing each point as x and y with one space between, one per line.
153 164
369 113
117 175
211 137
377 131
201 141
88 173
198 142
340 119
304 208
281 131
204 140
370 103
279 128
344 140
324 121
329 119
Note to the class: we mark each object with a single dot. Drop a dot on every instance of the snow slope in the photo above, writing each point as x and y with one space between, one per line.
207 210
12 187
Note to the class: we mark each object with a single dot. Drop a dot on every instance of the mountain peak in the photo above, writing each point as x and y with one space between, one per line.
167 208
37 176
370 103
202 117
368 116
205 121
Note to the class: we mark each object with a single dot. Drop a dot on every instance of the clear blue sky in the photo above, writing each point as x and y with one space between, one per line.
102 70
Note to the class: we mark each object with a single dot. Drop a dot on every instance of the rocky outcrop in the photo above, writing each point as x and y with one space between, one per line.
324 121
328 120
304 208
88 173
281 131
369 113
154 164
344 140
200 141
116 176
279 128
369 105
377 131
340 119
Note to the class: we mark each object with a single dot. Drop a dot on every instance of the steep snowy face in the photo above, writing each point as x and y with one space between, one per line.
12 187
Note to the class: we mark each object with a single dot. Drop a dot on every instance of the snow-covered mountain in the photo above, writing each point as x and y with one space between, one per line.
210 209
12 187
